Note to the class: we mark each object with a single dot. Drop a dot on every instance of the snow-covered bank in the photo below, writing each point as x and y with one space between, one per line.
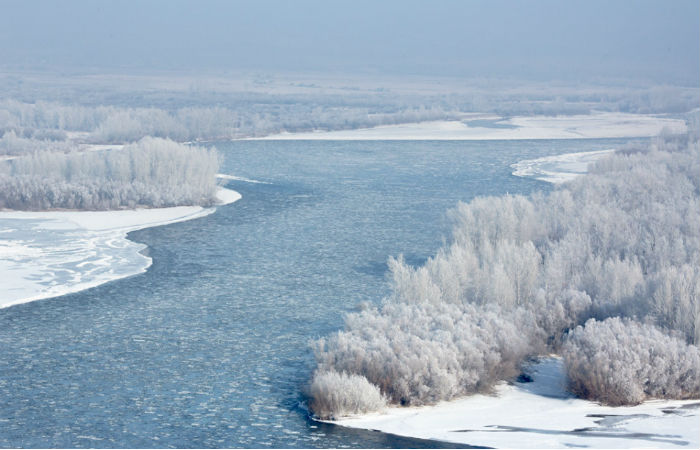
597 125
541 414
558 168
50 253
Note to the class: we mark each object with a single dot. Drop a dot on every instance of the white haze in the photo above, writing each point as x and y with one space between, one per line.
576 40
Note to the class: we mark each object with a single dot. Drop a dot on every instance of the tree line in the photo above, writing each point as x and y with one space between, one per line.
603 270
152 172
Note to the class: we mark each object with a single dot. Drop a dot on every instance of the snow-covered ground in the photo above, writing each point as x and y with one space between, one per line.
541 414
50 253
557 168
489 127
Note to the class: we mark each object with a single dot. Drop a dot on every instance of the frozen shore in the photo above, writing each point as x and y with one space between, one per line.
491 127
50 253
541 414
558 168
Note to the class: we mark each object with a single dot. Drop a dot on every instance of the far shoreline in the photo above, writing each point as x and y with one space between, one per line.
596 125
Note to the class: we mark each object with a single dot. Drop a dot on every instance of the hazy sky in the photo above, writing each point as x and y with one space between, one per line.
565 39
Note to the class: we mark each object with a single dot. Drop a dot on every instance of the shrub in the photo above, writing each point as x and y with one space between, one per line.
622 362
335 395
152 172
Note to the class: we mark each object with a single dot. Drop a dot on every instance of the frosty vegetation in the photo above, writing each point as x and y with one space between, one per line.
39 118
342 394
520 273
27 127
45 116
152 172
619 361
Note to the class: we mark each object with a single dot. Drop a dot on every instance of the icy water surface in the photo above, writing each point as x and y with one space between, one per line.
210 347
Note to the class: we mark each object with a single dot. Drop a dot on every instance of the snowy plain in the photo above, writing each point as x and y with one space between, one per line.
45 254
491 127
541 414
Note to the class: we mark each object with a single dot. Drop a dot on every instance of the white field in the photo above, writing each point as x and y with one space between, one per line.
596 125
558 168
541 414
50 253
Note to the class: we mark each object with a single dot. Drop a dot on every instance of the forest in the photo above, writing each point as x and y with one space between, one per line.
602 270
42 113
49 126
152 172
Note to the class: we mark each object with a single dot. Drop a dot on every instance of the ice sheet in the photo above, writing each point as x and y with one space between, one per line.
50 253
541 414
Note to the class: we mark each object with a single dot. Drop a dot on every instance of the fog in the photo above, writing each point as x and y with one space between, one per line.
655 41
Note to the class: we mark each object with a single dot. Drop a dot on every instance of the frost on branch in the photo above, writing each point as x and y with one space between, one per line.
152 172
622 362
520 272
338 394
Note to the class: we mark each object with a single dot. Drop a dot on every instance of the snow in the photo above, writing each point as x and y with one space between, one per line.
227 196
99 147
541 414
558 168
224 176
595 125
49 253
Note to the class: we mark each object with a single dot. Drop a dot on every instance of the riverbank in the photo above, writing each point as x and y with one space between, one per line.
541 414
536 411
480 127
45 254
558 168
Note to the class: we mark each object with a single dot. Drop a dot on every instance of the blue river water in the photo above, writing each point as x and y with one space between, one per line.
210 347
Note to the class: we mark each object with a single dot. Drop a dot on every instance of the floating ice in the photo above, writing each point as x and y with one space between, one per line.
224 176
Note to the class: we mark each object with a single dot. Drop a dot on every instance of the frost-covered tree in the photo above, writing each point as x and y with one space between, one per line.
339 394
190 116
152 172
622 362
520 272
13 145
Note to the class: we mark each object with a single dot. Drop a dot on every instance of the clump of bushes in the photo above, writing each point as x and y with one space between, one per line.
152 172
340 394
520 272
623 362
